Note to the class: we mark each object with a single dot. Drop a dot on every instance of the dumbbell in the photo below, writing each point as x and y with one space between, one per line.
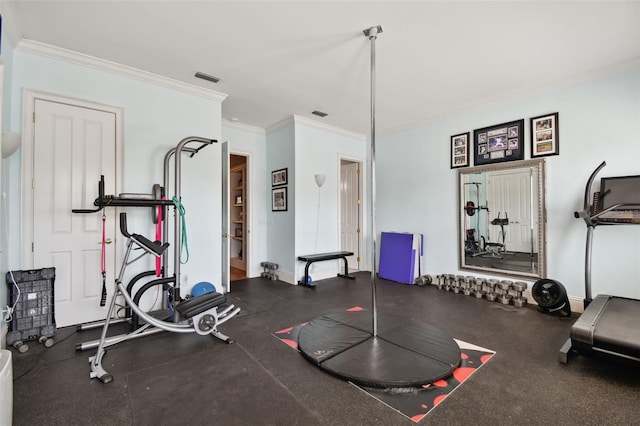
448 286
490 289
423 280
519 300
467 287
503 288
478 288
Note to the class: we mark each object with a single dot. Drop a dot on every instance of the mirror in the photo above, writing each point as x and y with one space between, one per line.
501 228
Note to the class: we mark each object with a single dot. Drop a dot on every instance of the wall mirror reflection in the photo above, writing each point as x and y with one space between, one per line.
501 219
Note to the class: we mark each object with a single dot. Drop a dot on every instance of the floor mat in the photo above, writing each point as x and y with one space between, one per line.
414 403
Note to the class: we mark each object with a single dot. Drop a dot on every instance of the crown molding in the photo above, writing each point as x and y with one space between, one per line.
242 126
288 121
43 49
297 119
333 129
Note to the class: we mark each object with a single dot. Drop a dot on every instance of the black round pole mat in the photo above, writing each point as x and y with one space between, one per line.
405 353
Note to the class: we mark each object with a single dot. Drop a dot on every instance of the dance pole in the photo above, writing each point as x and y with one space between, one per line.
372 34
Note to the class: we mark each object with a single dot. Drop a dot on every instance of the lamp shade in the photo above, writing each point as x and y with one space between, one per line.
320 178
10 143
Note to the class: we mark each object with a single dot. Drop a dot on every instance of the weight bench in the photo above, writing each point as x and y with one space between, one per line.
310 258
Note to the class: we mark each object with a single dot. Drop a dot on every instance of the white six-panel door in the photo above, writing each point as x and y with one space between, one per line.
350 212
510 194
72 147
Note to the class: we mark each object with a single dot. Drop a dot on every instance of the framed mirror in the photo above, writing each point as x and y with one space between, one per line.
501 226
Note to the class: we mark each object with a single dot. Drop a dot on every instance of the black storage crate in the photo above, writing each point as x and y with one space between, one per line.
33 316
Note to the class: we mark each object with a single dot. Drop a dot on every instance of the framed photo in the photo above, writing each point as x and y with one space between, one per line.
544 135
460 150
499 143
238 232
279 177
279 199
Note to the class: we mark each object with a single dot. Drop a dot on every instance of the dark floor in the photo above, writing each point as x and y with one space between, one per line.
258 380
511 261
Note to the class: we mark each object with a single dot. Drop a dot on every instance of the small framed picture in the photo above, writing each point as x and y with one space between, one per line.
279 177
239 232
460 150
279 199
544 135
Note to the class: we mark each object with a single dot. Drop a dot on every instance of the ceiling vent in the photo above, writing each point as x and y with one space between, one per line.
319 113
207 77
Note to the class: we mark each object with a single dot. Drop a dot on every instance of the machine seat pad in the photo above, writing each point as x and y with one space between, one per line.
197 305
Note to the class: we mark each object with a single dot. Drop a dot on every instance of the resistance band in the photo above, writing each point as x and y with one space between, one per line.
159 238
185 245
103 261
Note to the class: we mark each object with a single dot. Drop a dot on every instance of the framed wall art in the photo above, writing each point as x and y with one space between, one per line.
460 150
499 143
544 135
279 199
279 177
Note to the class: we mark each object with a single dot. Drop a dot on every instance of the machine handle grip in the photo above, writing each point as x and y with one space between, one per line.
123 225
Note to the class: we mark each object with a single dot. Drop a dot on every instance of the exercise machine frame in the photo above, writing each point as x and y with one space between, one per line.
609 324
201 312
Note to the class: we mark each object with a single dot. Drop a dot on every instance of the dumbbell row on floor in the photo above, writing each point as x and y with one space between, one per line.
502 291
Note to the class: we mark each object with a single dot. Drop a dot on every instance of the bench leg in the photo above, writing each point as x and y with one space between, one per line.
305 281
346 271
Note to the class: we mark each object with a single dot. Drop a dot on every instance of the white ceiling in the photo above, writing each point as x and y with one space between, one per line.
281 58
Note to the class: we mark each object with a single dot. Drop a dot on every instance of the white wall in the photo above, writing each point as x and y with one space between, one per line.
281 224
252 142
6 56
599 119
155 120
318 149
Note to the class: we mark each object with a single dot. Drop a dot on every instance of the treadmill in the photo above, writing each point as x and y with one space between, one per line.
610 325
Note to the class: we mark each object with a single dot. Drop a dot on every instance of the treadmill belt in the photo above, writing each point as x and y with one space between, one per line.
618 327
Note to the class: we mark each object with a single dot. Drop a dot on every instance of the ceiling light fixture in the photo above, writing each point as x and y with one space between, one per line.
319 113
207 77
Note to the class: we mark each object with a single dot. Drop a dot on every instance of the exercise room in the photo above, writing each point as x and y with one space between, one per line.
319 213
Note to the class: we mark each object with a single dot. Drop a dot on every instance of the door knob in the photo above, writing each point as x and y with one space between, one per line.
106 241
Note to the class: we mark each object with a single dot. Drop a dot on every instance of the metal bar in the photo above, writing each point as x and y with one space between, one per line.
372 34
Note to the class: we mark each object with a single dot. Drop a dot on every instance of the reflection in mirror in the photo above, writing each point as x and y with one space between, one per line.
501 219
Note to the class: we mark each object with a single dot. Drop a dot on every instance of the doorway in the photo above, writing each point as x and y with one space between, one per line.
238 217
71 144
351 209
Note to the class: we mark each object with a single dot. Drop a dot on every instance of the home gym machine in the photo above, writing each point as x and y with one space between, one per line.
498 249
471 245
198 314
609 325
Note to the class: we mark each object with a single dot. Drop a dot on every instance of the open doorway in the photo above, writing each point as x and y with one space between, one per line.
351 210
238 217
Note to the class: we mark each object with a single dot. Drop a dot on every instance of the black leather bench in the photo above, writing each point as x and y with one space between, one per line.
310 258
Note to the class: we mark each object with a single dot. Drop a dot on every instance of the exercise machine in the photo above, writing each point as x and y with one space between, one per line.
500 248
609 325
158 202
471 245
201 312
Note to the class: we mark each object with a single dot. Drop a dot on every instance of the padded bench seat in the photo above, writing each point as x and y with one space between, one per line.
196 305
310 258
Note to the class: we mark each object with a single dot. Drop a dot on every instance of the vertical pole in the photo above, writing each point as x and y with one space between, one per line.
372 34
